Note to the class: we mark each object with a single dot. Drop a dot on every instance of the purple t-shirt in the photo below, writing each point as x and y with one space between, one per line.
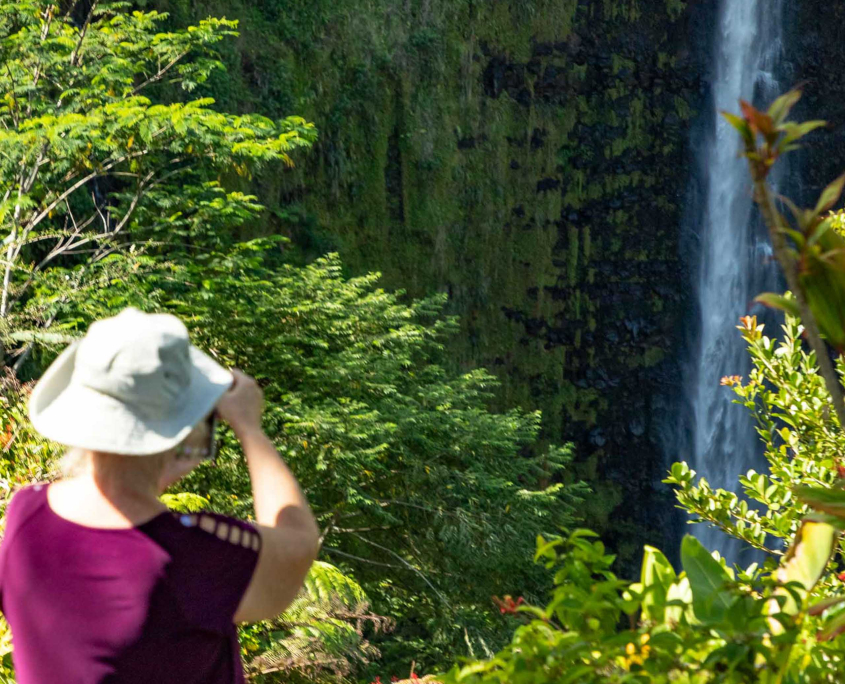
153 603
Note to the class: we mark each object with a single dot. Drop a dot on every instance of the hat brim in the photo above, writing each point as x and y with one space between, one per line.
79 416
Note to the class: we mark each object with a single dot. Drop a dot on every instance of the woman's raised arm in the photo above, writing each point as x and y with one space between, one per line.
289 532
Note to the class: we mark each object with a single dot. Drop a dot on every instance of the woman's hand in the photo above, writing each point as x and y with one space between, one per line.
242 405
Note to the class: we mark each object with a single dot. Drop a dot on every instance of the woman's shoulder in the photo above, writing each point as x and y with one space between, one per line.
25 499
23 504
214 557
214 529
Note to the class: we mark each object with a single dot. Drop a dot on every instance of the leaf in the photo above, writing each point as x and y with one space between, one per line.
819 231
797 237
759 121
805 562
742 126
737 122
825 499
831 194
822 606
795 131
656 576
679 602
707 578
781 107
776 301
822 278
833 628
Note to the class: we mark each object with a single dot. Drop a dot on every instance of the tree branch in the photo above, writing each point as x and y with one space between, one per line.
331 549
82 181
765 200
75 54
158 76
407 565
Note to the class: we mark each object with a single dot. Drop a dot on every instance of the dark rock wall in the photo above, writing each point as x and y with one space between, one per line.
530 158
815 55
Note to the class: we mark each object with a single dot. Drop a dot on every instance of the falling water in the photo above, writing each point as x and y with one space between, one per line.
735 261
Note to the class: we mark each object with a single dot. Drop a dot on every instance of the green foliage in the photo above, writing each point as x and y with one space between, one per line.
802 443
423 175
708 624
24 455
93 168
707 580
811 253
320 635
404 465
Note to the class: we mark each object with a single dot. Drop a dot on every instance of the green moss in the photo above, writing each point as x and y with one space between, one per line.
682 108
424 174
675 8
652 356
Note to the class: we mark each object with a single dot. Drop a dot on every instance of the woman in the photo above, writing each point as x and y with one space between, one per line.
98 580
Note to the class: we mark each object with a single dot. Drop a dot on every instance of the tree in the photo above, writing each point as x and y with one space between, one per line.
94 173
406 467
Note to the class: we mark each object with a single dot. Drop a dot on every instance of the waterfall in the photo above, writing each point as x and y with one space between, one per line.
735 261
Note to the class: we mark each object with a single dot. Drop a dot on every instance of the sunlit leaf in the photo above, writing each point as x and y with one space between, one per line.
656 576
806 561
776 301
781 107
708 580
796 131
831 194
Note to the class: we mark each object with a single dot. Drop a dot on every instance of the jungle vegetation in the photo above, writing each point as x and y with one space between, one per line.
451 531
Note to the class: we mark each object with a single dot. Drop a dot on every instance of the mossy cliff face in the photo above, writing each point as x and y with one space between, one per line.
530 158
814 55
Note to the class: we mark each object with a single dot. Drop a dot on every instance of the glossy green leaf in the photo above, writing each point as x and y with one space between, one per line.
708 580
656 576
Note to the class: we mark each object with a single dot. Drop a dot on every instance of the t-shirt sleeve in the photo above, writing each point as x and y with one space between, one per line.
218 559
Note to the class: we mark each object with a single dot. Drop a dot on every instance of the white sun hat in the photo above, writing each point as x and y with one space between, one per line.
134 385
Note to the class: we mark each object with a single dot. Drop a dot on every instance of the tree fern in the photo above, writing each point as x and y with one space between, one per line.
322 633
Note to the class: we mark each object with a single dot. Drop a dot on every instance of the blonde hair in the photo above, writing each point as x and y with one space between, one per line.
74 463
